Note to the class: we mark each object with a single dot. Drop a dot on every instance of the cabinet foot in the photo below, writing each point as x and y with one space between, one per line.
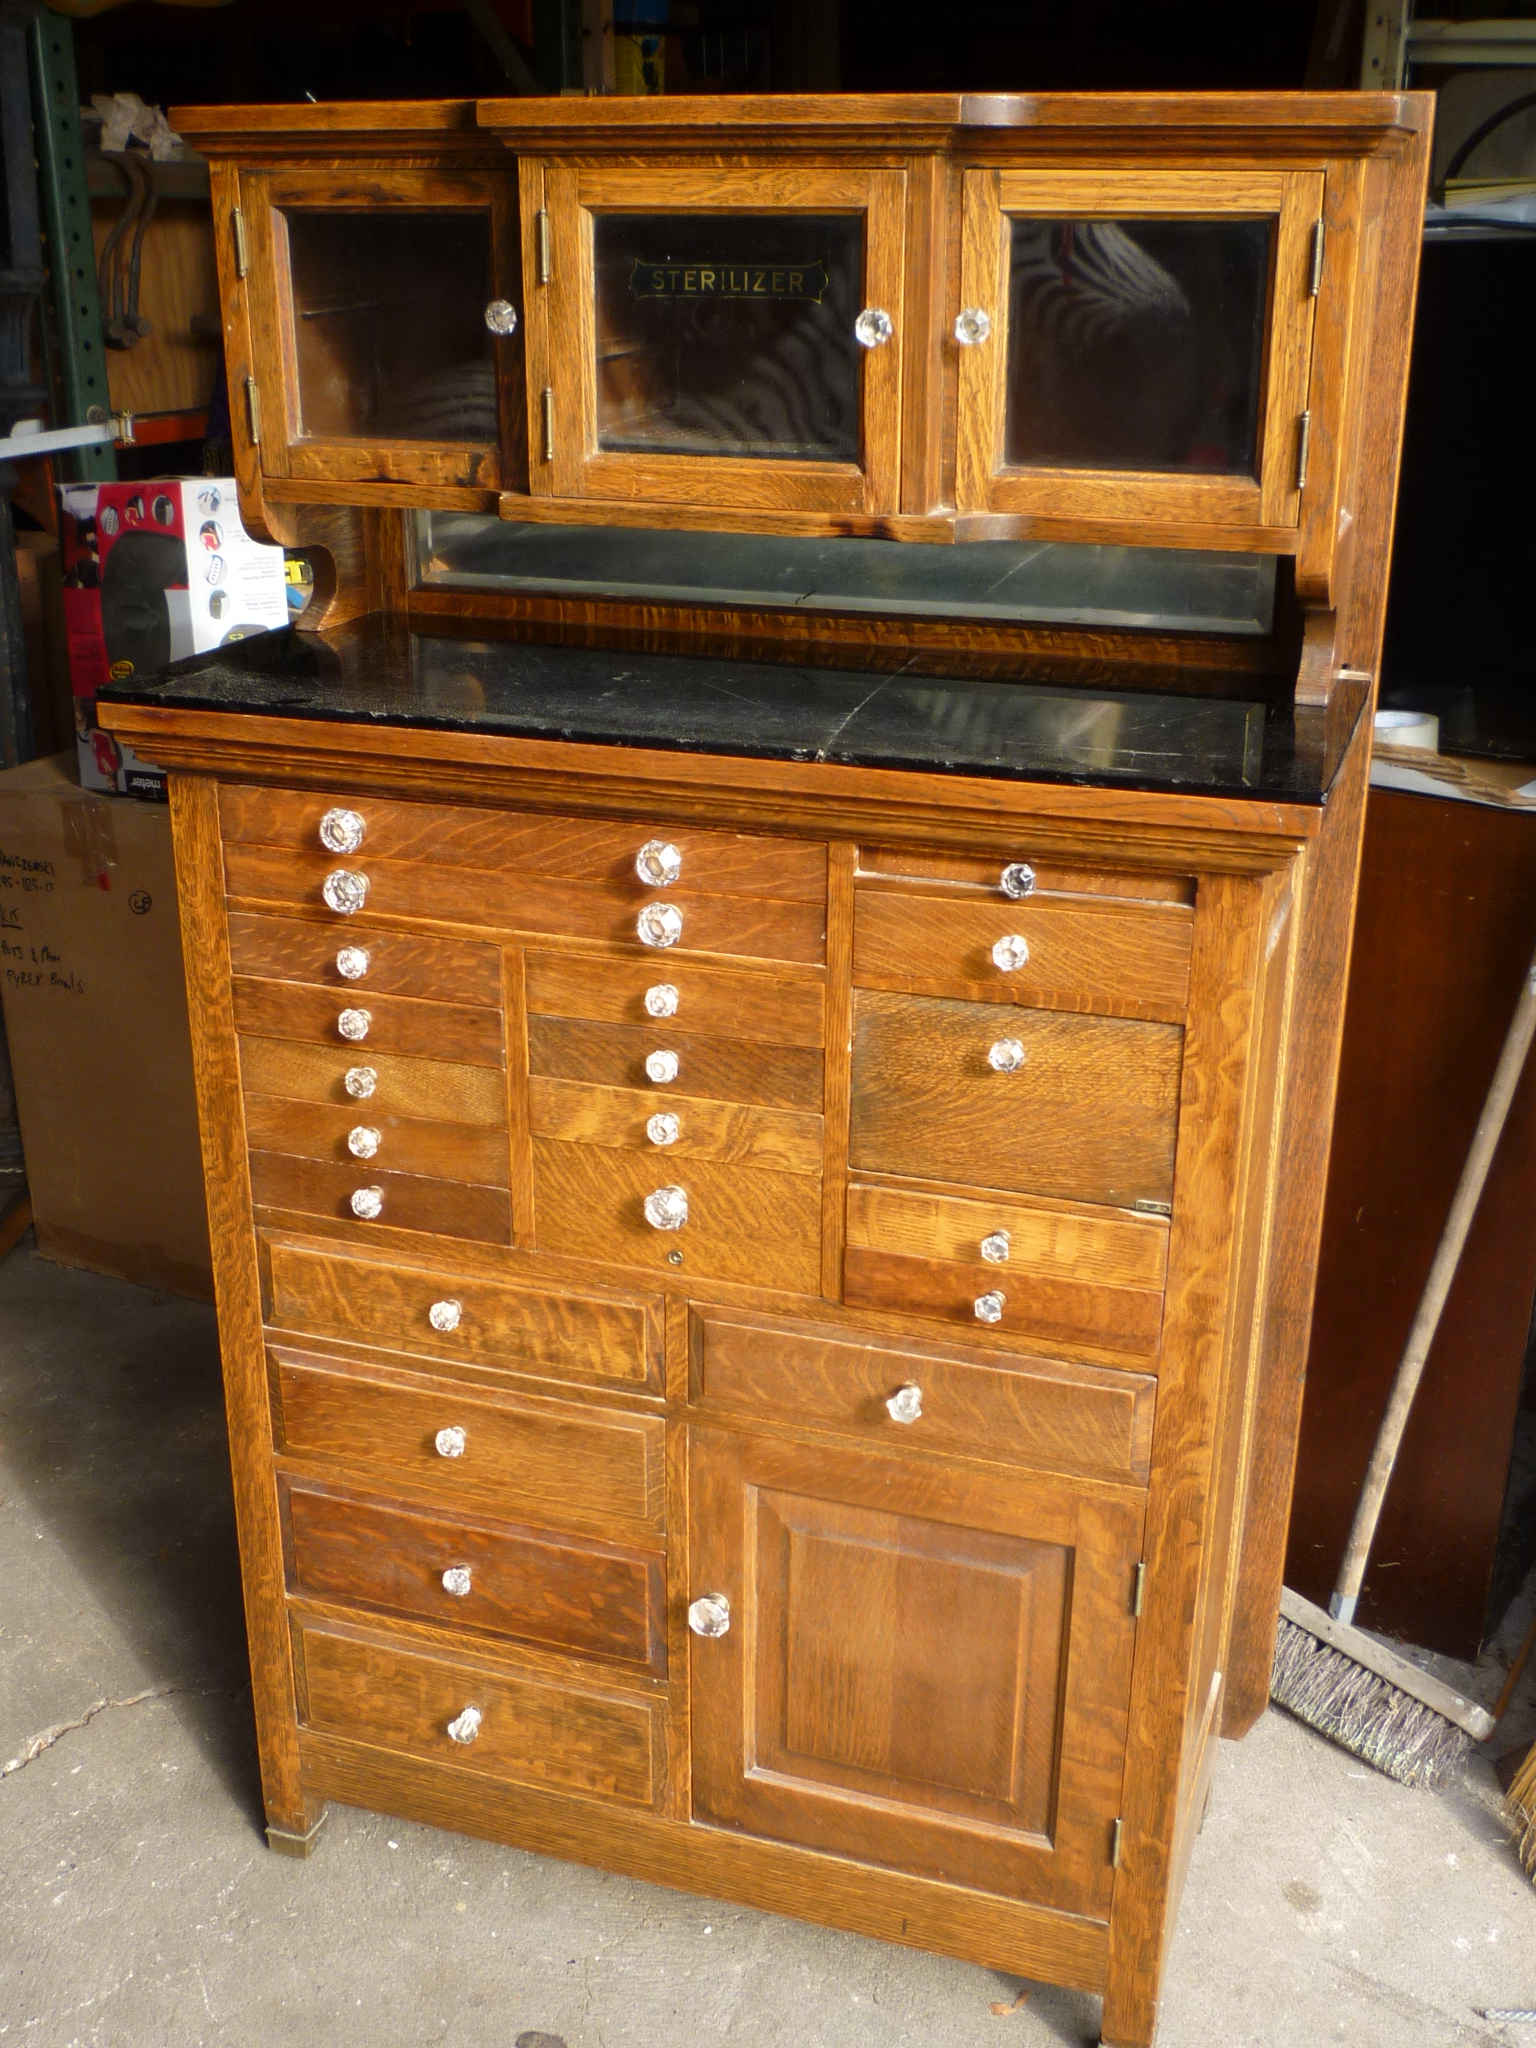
287 1842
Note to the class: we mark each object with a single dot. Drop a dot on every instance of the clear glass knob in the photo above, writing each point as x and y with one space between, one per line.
345 891
450 1442
873 328
664 1129
466 1726
353 1024
661 1066
368 1203
989 1307
363 1141
661 1001
667 1208
1006 1057
1011 953
341 831
352 962
501 317
444 1316
658 863
360 1082
906 1404
995 1249
1018 879
456 1580
659 924
973 324
710 1616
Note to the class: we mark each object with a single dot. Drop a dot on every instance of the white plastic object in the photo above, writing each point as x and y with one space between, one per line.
363 1141
906 1404
353 1025
444 1316
450 1442
710 1615
873 328
501 317
659 924
659 863
989 1307
664 1129
360 1082
456 1580
995 1249
368 1203
667 1208
661 1066
466 1726
345 891
1010 953
1006 1057
661 1001
352 962
1018 880
973 325
342 831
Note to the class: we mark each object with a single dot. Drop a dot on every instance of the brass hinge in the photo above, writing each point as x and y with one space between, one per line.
546 262
1138 1589
253 410
1319 234
1114 1843
1303 449
547 405
1144 1205
242 254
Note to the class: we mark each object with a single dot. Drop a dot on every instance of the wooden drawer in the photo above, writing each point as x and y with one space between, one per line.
1091 1116
728 1002
320 1130
399 963
1076 1276
566 1334
982 874
522 1456
440 1208
743 1223
569 1593
564 1738
1083 1419
436 1091
432 1031
614 1056
787 1140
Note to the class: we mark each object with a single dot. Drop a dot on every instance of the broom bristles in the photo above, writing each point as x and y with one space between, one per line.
1520 1804
1368 1715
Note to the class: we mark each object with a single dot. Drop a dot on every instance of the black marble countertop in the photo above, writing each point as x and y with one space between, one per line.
378 671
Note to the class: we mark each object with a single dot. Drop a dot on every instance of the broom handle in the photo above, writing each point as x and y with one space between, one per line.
1506 1078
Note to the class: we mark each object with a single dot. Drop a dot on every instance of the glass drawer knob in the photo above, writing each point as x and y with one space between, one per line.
710 1616
989 1307
345 891
368 1203
1006 1057
352 962
995 1249
906 1404
973 324
1018 880
466 1726
353 1024
341 831
444 1316
363 1141
873 328
360 1082
1010 953
456 1580
659 924
450 1442
501 317
661 1066
667 1208
658 863
661 1001
664 1129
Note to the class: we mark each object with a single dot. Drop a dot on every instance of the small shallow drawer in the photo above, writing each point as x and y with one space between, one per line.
374 1083
505 1724
1002 875
1083 1419
678 1127
519 1456
362 1194
568 1593
1080 1108
998 1267
370 1023
726 1002
364 960
724 1070
362 1137
741 1223
564 1334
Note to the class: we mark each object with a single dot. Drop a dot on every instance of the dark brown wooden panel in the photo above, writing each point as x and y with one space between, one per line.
399 963
728 1002
1117 1319
432 1031
320 1130
614 1056
441 1208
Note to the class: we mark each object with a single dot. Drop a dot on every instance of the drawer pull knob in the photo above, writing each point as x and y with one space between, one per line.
659 924
664 1129
1006 1057
1018 880
341 831
456 1580
360 1082
661 1001
363 1141
661 1066
368 1203
466 1727
667 1208
989 1307
658 863
995 1249
1010 953
710 1616
450 1442
444 1316
501 317
973 324
874 327
353 1025
345 891
906 1404
352 962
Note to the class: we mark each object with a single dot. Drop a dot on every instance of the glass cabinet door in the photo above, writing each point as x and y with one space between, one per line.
726 339
394 319
1136 346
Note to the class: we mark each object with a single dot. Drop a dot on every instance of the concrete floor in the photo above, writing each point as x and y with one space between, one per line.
141 1908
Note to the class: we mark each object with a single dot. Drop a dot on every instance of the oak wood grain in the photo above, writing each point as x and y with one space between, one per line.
1116 1320
976 871
438 1208
614 1056
730 1002
1058 1241
396 1024
842 861
434 1090
399 963
786 1140
320 1130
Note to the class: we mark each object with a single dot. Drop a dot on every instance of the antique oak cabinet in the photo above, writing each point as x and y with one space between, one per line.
766 967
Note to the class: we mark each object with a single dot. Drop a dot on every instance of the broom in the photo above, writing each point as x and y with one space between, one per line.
1329 1674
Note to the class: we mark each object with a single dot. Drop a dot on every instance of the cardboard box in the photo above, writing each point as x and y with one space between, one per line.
154 571
96 1014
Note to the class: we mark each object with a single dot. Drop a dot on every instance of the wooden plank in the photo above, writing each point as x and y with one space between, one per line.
842 861
726 1131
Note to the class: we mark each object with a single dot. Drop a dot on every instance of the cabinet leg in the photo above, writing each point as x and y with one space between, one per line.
291 1840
